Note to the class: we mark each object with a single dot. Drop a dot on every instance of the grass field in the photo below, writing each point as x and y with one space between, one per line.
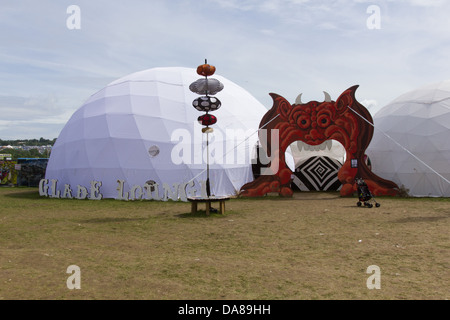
311 246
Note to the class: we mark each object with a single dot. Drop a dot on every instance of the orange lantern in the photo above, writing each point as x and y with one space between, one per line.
206 70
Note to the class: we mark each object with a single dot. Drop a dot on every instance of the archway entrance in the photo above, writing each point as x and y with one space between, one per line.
344 120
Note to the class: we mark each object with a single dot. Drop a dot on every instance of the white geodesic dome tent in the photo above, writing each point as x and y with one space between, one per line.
143 128
411 143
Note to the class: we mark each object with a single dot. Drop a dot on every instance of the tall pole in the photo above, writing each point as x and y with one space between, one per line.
208 187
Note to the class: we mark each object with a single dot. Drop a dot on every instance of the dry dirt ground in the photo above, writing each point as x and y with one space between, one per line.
311 246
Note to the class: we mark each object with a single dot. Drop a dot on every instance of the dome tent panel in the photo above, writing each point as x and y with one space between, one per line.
101 153
94 108
141 104
95 127
117 104
443 119
122 126
119 89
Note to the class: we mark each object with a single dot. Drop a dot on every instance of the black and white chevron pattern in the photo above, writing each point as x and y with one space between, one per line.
317 174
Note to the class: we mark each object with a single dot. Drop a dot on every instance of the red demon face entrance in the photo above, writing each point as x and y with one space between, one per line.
345 120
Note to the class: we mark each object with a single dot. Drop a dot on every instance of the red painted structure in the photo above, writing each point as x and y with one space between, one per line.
344 120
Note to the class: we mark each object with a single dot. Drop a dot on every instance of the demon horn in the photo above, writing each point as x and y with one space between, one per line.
299 99
327 97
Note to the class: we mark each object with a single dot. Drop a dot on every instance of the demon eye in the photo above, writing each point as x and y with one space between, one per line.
323 121
303 122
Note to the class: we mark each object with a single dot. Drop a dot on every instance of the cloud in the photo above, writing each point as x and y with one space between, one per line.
427 3
281 46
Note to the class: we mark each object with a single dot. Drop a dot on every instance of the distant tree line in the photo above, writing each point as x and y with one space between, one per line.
19 153
30 153
28 142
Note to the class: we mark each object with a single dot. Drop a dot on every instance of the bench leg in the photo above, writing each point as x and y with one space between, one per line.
208 206
193 207
222 207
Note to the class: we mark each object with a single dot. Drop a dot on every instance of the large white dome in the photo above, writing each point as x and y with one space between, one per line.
411 143
143 127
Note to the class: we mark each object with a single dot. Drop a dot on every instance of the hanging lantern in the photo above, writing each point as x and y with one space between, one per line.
206 86
207 130
207 120
206 70
206 103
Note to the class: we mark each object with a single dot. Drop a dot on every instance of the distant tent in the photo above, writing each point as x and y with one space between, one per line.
31 171
411 143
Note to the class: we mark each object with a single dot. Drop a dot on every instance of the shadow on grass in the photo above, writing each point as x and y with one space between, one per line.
298 195
200 215
23 194
420 219
109 220
359 208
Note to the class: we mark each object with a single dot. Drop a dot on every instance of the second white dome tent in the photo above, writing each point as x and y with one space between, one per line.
411 144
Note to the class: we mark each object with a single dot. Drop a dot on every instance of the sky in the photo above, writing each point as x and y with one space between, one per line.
53 58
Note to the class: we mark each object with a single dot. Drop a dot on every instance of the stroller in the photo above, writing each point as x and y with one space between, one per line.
365 197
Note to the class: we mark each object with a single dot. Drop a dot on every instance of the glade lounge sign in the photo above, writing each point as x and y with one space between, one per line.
149 191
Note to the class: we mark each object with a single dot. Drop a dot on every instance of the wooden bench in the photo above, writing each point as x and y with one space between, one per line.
196 200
